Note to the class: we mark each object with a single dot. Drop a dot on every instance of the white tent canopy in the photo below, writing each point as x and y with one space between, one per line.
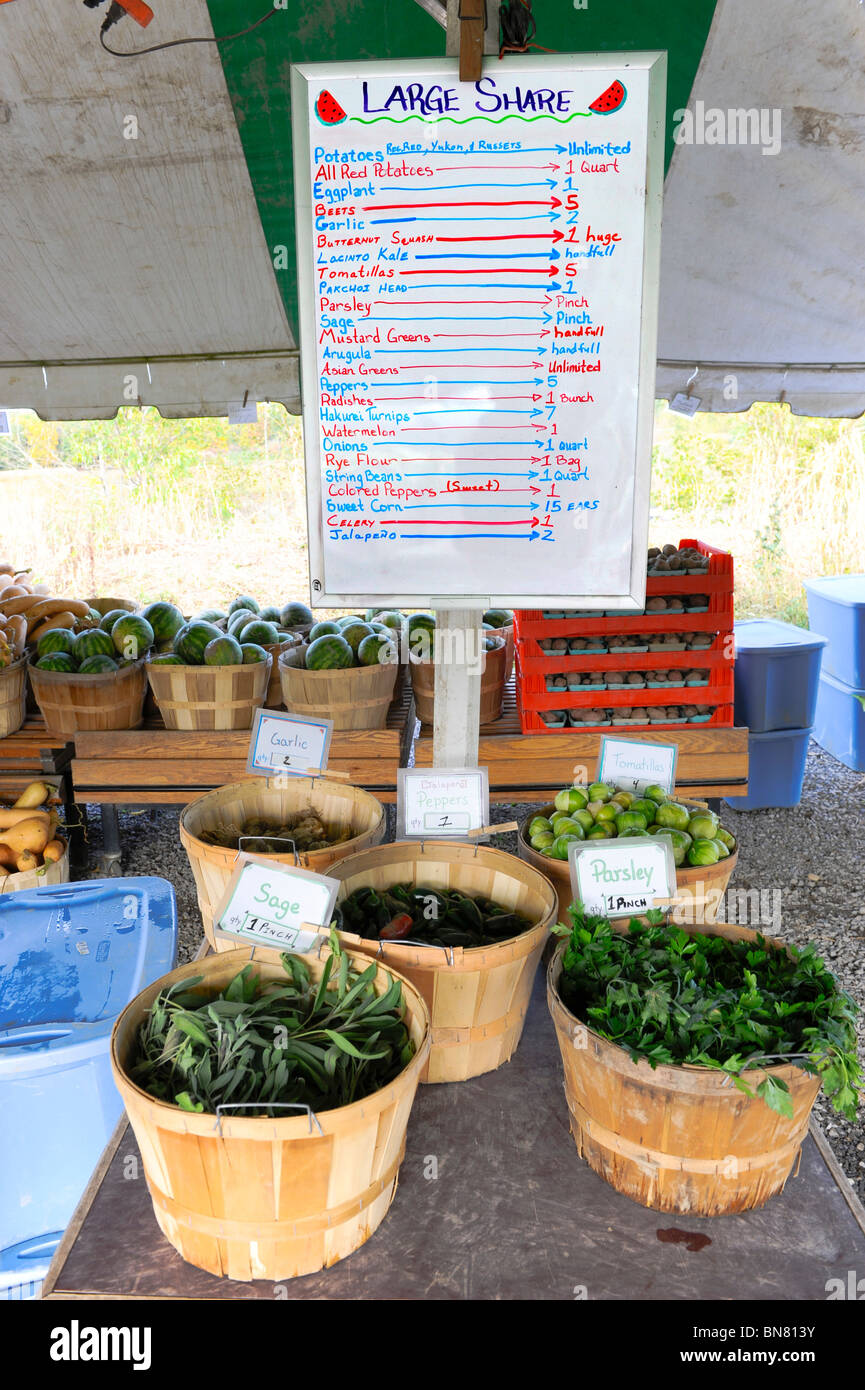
137 268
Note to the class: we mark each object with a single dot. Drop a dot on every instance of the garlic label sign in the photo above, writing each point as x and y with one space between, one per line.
622 877
289 744
478 273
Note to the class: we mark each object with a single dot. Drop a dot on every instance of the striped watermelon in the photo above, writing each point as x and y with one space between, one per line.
94 643
243 601
253 653
223 651
166 659
260 633
132 636
57 661
190 642
329 653
164 618
97 665
111 617
56 639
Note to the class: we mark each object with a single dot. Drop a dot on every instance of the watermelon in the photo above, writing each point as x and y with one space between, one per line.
56 639
94 643
259 633
238 619
99 664
354 633
377 650
57 661
611 100
210 615
242 601
421 620
498 617
329 653
132 636
296 615
111 617
164 618
270 615
223 651
190 642
328 109
283 637
166 659
324 629
391 618
253 653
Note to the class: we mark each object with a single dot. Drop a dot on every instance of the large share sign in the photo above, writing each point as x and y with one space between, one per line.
478 267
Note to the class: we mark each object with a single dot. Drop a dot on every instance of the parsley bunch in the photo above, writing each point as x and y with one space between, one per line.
668 997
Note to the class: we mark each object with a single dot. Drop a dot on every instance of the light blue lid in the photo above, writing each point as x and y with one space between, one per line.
840 588
767 635
74 955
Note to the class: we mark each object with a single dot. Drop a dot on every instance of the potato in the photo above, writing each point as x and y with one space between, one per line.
28 834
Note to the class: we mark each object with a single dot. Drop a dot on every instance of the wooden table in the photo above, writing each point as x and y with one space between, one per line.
158 766
513 1214
712 762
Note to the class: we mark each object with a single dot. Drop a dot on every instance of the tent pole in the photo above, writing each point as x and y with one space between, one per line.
458 661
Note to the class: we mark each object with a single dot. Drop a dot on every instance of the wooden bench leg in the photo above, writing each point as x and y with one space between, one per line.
111 853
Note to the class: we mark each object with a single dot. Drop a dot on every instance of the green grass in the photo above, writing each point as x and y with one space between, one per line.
198 510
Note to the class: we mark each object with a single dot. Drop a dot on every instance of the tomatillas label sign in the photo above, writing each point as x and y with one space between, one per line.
627 763
275 905
621 877
443 802
288 744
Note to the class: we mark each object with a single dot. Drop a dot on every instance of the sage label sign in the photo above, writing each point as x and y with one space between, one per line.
622 877
275 905
633 766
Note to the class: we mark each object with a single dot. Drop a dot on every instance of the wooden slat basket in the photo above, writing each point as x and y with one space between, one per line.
676 1138
356 698
49 874
209 697
258 1198
477 997
337 805
72 703
700 890
13 696
495 665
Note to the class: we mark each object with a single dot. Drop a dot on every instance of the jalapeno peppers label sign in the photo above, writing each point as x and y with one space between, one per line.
442 803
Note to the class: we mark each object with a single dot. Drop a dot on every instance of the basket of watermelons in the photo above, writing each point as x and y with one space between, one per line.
204 677
95 679
346 672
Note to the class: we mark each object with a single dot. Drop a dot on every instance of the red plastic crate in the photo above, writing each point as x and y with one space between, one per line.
534 695
536 662
531 722
717 580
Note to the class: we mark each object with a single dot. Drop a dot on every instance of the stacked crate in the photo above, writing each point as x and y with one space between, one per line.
535 666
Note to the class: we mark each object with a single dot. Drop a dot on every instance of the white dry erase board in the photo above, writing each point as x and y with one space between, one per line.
636 765
444 802
274 905
622 877
478 281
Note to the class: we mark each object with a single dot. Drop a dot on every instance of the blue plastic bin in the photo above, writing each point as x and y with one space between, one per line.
71 959
776 770
836 606
840 723
776 675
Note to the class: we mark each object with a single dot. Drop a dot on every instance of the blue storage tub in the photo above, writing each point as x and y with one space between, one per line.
776 675
840 723
776 770
71 959
836 606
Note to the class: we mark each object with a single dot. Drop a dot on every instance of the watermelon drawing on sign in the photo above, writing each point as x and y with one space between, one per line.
610 100
328 109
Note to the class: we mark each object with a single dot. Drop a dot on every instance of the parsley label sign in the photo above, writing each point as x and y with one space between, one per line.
289 744
619 878
275 905
633 766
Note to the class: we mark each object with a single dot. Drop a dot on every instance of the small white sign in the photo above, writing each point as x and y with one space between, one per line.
622 877
289 744
275 905
632 766
442 802
240 414
685 405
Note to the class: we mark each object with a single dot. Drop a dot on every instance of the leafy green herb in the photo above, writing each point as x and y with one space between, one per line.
668 997
290 1041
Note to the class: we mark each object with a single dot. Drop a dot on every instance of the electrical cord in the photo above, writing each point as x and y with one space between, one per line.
518 26
175 43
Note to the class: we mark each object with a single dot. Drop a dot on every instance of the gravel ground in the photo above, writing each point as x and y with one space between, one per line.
806 863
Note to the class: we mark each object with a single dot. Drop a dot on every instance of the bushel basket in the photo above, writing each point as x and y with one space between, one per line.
209 697
73 703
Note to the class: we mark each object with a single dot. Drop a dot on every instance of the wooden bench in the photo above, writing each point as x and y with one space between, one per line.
712 762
